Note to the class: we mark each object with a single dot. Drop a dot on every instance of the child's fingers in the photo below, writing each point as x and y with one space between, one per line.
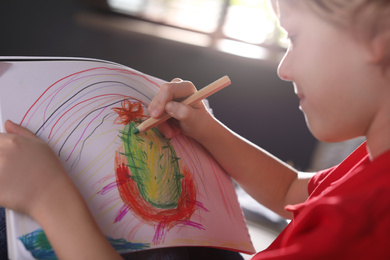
12 128
178 89
189 120
176 80
175 90
185 114
181 88
179 111
167 130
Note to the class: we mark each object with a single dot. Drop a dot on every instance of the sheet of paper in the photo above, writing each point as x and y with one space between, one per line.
85 111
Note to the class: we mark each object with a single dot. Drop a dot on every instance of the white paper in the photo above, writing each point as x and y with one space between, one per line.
69 104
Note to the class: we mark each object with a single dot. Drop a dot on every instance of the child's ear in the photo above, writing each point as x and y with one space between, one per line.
379 48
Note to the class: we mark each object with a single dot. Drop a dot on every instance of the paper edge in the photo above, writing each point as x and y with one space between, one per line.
10 218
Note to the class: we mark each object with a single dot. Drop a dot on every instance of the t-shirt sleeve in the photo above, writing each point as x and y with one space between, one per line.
336 229
317 179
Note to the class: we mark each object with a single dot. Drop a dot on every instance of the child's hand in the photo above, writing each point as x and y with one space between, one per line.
33 182
29 170
190 120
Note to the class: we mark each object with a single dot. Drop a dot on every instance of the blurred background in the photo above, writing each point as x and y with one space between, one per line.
198 40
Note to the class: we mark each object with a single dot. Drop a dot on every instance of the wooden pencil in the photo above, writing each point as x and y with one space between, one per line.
191 100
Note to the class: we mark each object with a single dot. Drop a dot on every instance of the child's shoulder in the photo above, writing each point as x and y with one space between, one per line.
325 178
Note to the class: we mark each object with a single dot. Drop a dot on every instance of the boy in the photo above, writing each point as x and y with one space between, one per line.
337 60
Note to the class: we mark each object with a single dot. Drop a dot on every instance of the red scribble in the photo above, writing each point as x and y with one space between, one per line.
164 218
129 112
125 71
93 99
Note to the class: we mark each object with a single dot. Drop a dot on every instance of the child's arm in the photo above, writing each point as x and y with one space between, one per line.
33 181
267 179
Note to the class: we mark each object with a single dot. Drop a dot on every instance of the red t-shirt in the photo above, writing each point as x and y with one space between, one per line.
347 214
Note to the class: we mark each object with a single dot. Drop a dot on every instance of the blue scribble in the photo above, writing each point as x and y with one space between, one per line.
123 246
38 245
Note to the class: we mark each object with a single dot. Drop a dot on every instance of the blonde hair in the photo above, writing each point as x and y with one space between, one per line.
364 18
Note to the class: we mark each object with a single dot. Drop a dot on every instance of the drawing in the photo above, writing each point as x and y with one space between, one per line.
144 191
153 186
148 176
37 243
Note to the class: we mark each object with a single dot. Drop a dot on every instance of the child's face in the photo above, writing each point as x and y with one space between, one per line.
329 70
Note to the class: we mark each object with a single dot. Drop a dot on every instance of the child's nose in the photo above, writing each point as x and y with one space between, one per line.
284 69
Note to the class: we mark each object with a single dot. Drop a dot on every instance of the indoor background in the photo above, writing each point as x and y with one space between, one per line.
258 105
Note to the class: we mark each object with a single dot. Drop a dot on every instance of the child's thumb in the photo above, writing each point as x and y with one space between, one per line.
12 128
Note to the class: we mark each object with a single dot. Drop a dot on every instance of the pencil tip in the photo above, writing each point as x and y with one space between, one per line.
136 131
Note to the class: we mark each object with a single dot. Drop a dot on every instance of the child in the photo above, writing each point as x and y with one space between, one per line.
338 60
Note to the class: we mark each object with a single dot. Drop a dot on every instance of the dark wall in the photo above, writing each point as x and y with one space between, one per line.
258 105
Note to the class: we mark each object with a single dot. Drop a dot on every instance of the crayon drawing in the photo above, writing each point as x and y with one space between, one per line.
145 191
148 176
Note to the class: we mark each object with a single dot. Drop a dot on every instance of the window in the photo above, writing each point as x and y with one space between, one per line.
197 15
243 27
